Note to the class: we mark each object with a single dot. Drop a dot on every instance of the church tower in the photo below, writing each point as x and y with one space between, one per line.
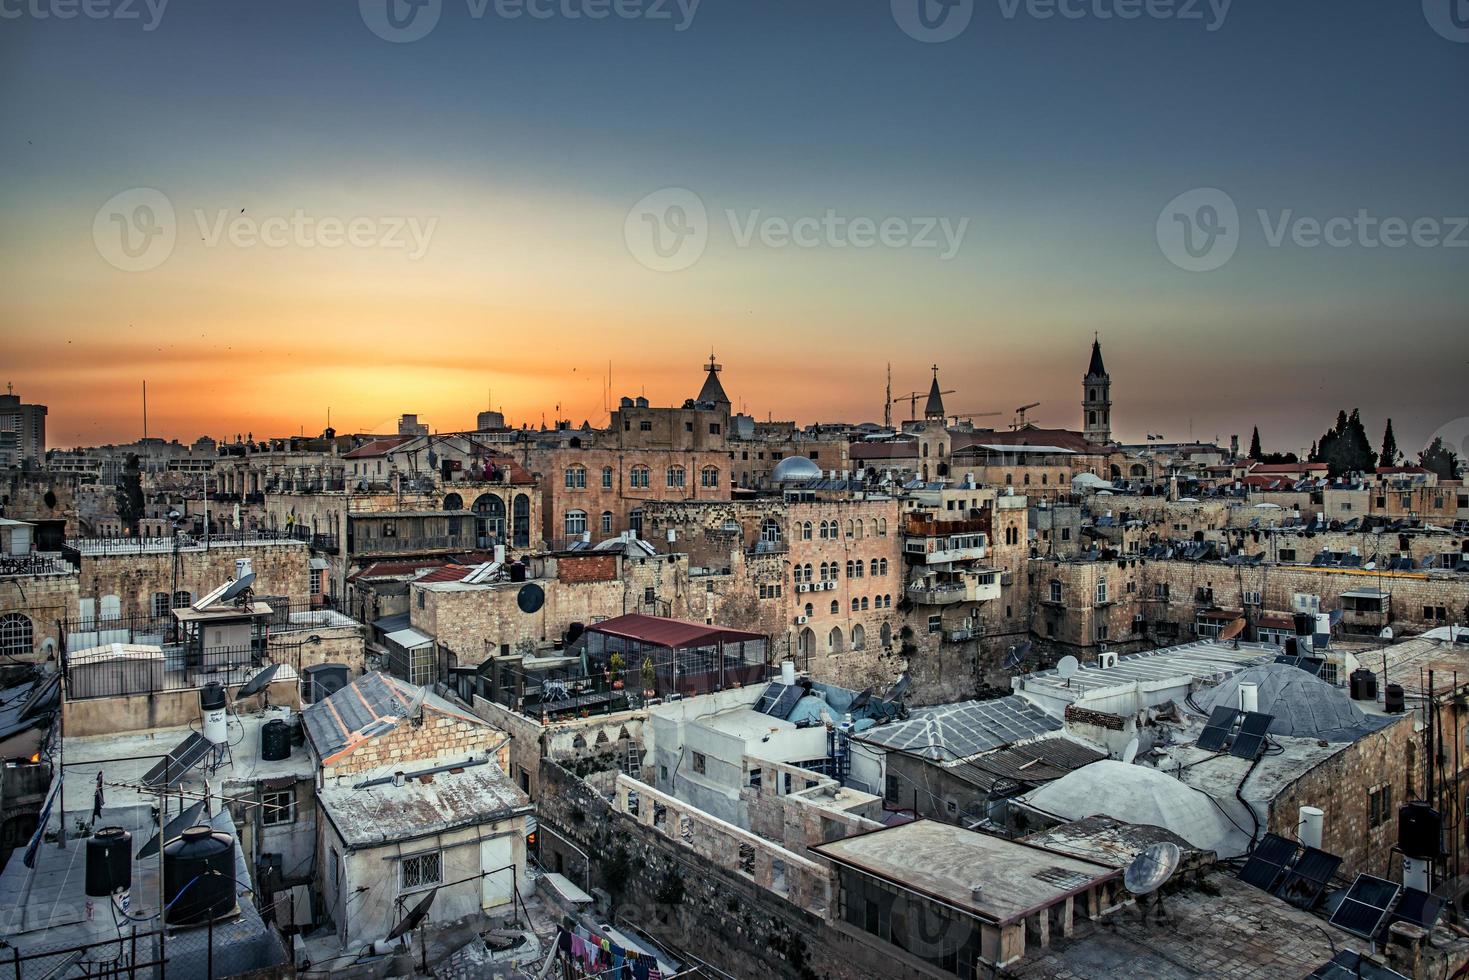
1096 404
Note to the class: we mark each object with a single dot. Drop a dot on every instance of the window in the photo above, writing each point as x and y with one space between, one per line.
606 522
421 871
873 566
1379 806
1287 554
576 478
1055 591
1101 631
882 566
709 477
688 427
856 605
1435 613
576 522
770 531
160 605
935 623
645 426
1160 591
699 763
1204 594
675 477
278 807
714 429
836 607
805 530
857 566
892 788
1252 598
17 637
606 478
635 521
315 580
864 603
1101 593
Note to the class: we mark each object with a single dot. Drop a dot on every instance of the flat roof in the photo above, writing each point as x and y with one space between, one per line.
1205 660
948 863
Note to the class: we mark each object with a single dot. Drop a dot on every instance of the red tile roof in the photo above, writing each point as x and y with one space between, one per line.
378 447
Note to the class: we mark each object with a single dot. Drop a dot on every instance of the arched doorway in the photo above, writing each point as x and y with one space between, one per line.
489 520
859 637
834 640
806 642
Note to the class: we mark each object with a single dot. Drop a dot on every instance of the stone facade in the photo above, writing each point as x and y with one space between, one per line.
129 580
440 737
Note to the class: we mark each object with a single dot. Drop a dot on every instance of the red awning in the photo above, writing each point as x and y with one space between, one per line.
674 633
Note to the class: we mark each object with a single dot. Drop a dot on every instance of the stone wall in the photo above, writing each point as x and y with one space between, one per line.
281 568
45 600
440 737
583 745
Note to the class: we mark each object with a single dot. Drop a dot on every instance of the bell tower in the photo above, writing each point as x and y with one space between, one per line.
1096 398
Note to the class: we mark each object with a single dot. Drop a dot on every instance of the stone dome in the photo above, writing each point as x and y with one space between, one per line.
795 469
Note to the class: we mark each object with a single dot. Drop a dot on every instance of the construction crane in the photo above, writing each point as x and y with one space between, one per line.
912 399
1020 421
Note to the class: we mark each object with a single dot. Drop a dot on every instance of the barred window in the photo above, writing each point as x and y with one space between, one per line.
17 637
278 808
421 871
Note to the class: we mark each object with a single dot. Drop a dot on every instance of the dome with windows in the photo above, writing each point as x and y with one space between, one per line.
795 469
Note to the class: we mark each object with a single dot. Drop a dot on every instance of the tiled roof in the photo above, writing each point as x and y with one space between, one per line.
371 705
958 731
378 447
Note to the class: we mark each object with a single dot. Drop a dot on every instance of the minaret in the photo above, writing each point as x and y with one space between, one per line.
1096 404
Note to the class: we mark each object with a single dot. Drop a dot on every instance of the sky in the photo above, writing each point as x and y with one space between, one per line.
270 210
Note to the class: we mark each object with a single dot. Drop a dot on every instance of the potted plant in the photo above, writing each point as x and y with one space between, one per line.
649 679
618 663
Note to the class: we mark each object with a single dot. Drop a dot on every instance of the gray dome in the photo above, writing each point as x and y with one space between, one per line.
794 469
1303 705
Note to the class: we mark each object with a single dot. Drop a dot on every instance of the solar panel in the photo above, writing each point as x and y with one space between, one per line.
1418 907
1255 723
1312 665
1247 746
1348 964
1365 906
1289 661
1267 861
1216 732
1303 884
178 762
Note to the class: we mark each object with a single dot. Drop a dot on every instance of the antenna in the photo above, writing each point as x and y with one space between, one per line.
1152 868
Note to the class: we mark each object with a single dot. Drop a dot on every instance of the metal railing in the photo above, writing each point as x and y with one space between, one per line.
112 672
36 563
183 541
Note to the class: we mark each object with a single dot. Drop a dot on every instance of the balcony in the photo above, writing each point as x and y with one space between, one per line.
946 549
35 563
978 587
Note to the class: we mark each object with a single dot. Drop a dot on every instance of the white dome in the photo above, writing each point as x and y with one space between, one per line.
1140 795
794 469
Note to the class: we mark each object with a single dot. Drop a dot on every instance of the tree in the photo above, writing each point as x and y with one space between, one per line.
1255 452
1390 454
1345 447
1441 460
130 494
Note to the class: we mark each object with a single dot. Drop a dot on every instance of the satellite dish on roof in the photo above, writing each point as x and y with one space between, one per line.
1150 869
530 598
1017 655
1067 667
411 921
257 683
1336 615
1129 753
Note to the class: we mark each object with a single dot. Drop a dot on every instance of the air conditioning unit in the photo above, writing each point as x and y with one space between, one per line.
800 620
1107 659
804 587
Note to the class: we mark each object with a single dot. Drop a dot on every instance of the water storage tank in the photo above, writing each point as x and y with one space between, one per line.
574 632
1364 685
517 571
212 701
1305 624
1392 699
1420 831
321 681
109 862
275 740
198 876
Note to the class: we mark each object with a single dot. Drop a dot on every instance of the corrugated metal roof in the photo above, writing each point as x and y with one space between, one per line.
959 731
1034 762
371 705
383 814
669 632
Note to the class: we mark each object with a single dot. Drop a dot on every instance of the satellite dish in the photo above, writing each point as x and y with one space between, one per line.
1017 655
237 586
415 703
1129 753
1067 667
1150 869
530 598
410 921
257 683
1336 615
1386 633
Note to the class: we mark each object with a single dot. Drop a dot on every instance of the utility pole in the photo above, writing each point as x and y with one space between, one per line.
887 403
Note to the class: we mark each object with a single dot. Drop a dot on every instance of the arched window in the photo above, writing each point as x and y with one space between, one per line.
606 478
851 531
824 575
874 568
859 528
859 637
856 605
521 529
576 522
1027 479
675 477
885 635
709 477
836 608
606 522
834 640
160 605
810 610
808 571
849 568
637 477
805 530
807 642
882 566
635 521
882 527
1009 479
576 477
864 603
887 601
17 637
452 501
770 531
925 450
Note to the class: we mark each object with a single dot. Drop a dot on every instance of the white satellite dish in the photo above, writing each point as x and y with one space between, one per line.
1129 753
1150 869
1067 667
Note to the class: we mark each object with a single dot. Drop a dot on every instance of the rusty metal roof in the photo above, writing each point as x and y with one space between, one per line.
371 705
423 805
1034 762
674 633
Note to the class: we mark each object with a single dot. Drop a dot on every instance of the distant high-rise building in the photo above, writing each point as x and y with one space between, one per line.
409 425
22 432
1096 405
489 421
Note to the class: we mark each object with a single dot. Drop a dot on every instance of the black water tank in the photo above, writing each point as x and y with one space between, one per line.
324 680
109 862
275 740
1420 831
1305 624
1364 685
212 697
201 860
574 632
1292 648
1392 699
517 571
